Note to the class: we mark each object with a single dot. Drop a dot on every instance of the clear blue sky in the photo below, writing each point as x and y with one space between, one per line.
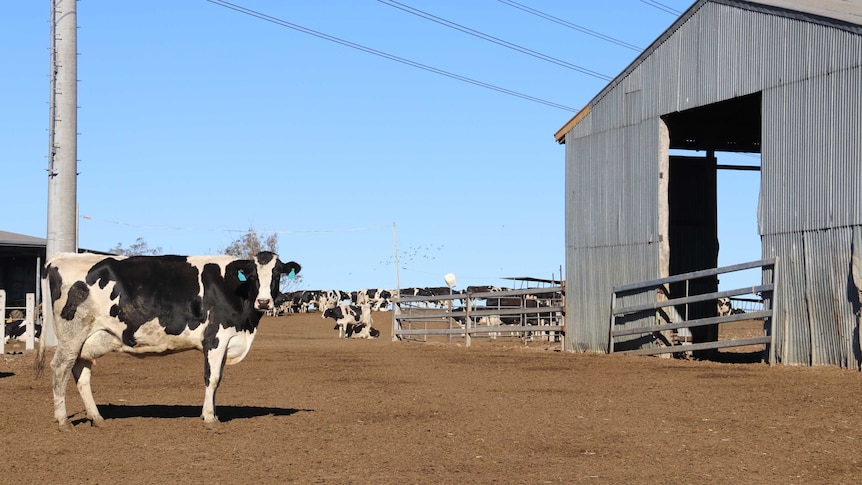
198 122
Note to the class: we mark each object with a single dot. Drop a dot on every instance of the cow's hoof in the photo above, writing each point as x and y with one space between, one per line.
98 422
210 421
67 426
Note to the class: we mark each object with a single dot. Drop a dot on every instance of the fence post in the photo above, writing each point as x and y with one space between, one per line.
30 322
3 315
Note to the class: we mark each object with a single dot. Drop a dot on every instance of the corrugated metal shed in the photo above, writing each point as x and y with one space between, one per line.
779 77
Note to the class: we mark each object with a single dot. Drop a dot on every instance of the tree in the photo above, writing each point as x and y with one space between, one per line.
139 248
251 243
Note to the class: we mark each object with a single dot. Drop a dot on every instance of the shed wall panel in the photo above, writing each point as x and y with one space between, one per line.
816 322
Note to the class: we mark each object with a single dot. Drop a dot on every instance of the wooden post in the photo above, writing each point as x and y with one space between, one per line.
3 315
774 308
30 322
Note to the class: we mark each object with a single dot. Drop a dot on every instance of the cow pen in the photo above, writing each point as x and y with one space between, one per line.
528 314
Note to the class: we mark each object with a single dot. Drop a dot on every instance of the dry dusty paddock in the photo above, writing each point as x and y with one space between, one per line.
306 407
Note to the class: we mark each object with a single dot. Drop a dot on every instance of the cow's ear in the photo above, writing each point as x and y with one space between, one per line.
241 270
291 269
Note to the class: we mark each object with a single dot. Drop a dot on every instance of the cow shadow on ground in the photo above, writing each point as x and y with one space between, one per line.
225 413
6 374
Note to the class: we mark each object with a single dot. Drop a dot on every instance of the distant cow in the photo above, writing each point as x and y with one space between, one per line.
293 302
147 305
352 321
378 299
330 299
725 307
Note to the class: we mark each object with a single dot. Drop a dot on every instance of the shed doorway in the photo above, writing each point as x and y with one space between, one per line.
704 145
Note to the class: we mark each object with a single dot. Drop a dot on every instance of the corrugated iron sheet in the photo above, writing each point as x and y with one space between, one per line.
810 77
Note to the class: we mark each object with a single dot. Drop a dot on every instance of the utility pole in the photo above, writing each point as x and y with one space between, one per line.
62 144
63 130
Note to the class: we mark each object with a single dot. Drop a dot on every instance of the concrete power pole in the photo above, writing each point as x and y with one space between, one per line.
63 130
62 143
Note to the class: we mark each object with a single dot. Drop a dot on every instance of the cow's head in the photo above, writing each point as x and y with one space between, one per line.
270 270
332 313
327 300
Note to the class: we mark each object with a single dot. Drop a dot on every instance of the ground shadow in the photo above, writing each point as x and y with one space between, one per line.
6 374
225 413
755 357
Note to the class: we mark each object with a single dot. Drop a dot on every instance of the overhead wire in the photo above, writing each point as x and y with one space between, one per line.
571 25
198 229
662 7
447 23
369 50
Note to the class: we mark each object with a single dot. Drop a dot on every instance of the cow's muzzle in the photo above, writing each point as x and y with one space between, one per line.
264 303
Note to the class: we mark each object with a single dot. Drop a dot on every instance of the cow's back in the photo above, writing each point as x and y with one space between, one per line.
149 304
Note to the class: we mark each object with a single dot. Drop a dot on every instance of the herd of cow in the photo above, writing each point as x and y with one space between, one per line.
378 299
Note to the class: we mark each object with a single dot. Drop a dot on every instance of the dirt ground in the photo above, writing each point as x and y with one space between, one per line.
307 407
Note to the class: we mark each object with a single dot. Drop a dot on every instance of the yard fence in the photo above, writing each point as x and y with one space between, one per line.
529 314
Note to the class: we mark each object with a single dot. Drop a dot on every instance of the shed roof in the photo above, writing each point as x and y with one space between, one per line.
20 240
841 14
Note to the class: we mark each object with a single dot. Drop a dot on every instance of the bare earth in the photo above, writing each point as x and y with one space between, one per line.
306 407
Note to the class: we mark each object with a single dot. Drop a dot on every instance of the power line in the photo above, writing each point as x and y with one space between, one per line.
321 35
570 25
490 38
194 229
662 7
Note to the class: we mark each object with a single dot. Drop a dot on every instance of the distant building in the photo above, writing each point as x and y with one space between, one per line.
20 257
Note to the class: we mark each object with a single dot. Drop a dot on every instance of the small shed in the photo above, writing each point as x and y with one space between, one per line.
780 78
20 259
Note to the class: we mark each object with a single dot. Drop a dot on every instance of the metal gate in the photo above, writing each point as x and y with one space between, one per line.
644 315
527 313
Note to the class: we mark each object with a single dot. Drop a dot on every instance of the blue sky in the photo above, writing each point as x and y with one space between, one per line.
198 122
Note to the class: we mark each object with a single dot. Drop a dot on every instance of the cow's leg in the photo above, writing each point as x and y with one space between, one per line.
97 345
61 367
64 359
81 371
214 360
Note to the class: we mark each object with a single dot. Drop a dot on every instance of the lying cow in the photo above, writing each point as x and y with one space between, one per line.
146 305
352 321
17 330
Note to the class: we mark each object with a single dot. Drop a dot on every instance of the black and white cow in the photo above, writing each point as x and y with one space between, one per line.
148 305
17 330
352 321
330 299
725 307
378 299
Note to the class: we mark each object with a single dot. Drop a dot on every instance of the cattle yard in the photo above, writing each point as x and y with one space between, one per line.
308 407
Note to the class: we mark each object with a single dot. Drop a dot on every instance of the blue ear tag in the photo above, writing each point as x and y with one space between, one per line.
291 275
241 275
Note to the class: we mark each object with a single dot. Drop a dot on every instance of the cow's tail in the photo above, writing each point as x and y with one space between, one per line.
39 364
